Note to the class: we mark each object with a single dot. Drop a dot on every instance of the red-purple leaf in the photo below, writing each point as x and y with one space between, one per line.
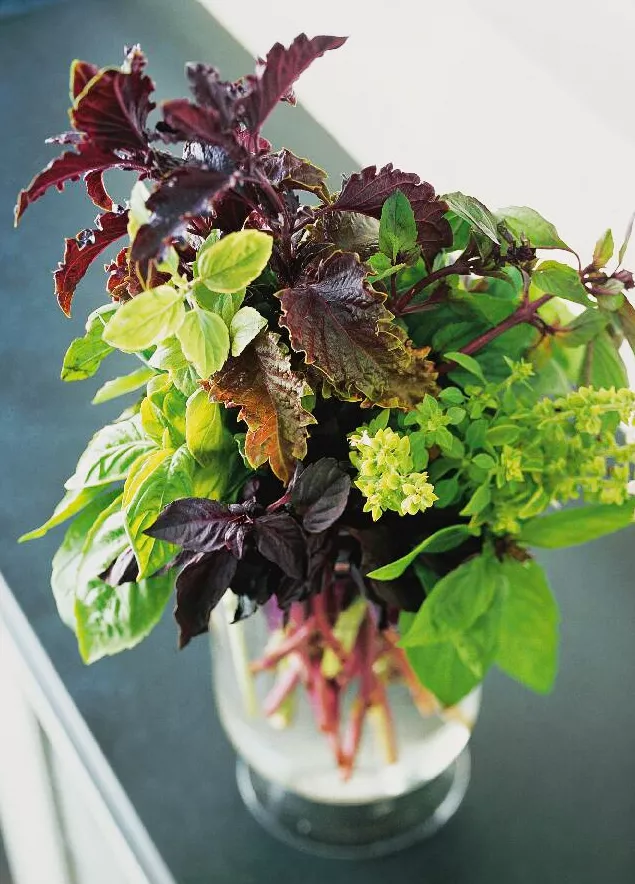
81 251
199 587
343 327
284 168
186 192
190 122
262 382
367 191
320 494
273 80
279 538
97 192
81 74
204 525
211 92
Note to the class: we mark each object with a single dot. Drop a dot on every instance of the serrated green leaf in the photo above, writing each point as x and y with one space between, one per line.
558 279
85 355
467 362
441 541
110 454
397 226
528 629
571 527
603 251
123 385
525 222
474 213
204 340
72 503
204 431
235 260
244 327
147 319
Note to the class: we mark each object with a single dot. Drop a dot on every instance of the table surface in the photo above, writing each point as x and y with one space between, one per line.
552 797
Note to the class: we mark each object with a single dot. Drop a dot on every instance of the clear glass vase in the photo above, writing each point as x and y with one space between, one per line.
287 774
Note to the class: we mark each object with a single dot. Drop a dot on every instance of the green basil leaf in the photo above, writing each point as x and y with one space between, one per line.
583 328
502 434
85 355
235 260
475 213
602 365
627 236
441 541
244 327
120 386
72 503
397 226
478 501
603 251
68 557
110 454
526 223
224 303
204 431
440 668
528 631
561 280
169 357
105 540
446 490
147 493
146 319
467 362
110 619
570 527
204 340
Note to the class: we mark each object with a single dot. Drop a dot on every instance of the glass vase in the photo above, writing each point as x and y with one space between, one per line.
402 787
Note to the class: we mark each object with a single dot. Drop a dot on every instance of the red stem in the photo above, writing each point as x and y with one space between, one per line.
291 643
460 266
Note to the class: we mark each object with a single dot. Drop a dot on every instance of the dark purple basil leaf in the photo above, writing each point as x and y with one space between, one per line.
320 494
275 77
320 551
203 525
212 93
280 539
81 74
81 251
186 192
284 168
185 121
199 587
97 192
124 569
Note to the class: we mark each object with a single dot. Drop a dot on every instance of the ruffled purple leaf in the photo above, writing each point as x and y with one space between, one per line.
320 494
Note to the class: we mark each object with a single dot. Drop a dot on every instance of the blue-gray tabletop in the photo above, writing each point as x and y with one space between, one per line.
552 797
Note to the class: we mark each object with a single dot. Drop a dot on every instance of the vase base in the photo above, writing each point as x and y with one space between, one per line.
355 831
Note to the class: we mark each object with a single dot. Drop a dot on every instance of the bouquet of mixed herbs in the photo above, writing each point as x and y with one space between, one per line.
355 412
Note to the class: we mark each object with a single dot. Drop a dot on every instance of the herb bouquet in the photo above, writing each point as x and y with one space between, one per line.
355 408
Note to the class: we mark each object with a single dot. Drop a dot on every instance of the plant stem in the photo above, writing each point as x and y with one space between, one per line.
460 266
525 313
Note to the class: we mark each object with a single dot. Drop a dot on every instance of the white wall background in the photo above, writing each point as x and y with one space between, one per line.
515 103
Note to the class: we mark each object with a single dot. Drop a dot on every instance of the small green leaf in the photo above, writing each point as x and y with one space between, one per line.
244 327
204 339
204 431
73 502
525 222
484 461
528 628
223 303
452 396
583 328
446 491
120 386
419 451
571 527
478 501
146 320
467 362
627 236
502 434
110 454
558 279
397 227
235 260
170 357
85 355
474 212
163 412
603 251
441 541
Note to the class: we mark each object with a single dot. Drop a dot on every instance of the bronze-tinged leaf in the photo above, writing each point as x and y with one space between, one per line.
367 191
261 381
343 327
285 168
82 250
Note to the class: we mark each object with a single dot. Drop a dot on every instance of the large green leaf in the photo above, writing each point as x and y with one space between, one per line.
244 326
105 540
123 385
441 669
602 365
397 227
204 431
571 527
584 328
72 503
204 340
110 619
474 213
524 222
441 541
528 629
85 355
149 491
66 561
235 260
110 454
147 319
561 280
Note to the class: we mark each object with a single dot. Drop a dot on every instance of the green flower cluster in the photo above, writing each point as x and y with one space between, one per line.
498 455
386 477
